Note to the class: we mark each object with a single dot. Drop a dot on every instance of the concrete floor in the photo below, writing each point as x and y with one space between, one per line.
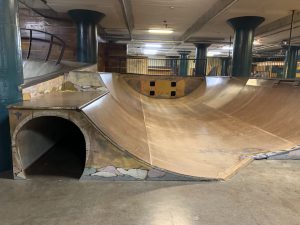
264 193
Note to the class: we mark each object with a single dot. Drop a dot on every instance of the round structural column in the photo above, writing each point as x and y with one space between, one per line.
183 59
172 62
87 44
290 67
201 59
244 28
11 74
225 66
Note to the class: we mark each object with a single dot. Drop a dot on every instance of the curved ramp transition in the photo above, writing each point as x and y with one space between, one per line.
210 133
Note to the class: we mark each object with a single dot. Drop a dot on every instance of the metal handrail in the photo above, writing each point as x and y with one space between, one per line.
152 66
52 41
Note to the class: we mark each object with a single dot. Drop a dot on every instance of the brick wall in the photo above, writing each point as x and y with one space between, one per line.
66 30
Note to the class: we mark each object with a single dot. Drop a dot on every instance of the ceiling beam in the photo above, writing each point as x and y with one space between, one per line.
128 15
277 24
218 8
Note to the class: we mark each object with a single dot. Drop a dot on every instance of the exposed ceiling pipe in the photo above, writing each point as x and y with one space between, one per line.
291 29
279 24
217 9
128 16
278 32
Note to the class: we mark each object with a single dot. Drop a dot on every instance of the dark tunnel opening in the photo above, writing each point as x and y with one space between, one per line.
52 146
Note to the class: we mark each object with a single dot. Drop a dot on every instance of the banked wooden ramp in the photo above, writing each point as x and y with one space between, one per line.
210 133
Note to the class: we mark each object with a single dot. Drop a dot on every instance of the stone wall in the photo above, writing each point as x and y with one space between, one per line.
55 84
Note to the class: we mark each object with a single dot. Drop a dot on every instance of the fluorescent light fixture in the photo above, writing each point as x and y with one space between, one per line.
153 45
150 52
227 47
160 31
257 42
213 53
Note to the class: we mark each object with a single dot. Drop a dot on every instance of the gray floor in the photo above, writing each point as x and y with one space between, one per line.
264 193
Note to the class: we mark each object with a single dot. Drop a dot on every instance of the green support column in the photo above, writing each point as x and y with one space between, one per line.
183 67
201 59
225 66
243 42
11 74
87 44
290 67
172 62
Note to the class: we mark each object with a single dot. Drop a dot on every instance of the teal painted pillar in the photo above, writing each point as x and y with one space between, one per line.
201 59
87 44
172 62
290 67
225 66
11 74
243 42
183 66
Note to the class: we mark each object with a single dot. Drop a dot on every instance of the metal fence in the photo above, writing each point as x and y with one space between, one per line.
272 64
45 37
161 66
268 68
262 67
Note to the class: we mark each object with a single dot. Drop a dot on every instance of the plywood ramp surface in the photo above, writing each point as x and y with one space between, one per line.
205 134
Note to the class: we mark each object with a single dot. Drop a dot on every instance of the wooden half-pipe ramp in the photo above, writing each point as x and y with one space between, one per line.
209 133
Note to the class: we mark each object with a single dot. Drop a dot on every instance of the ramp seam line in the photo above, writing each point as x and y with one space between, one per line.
253 126
144 117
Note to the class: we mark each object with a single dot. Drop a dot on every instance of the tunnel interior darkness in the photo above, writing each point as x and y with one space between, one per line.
51 146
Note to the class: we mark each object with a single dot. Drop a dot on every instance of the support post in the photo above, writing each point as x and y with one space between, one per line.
290 67
201 59
11 74
172 62
183 67
225 66
87 44
244 28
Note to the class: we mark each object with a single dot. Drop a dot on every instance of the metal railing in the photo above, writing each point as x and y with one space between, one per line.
267 67
153 66
272 64
271 67
38 35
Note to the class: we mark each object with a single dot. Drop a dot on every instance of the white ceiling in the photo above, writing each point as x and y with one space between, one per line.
271 10
180 15
111 8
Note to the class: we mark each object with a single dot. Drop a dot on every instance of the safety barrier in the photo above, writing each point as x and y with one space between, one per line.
154 66
38 35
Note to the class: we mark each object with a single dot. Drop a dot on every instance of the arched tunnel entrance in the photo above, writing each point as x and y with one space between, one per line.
51 146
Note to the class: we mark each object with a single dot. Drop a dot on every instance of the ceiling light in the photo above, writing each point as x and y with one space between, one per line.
150 52
213 53
227 47
160 31
153 45
257 42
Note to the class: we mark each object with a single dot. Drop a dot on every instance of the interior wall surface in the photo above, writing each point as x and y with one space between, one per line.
66 30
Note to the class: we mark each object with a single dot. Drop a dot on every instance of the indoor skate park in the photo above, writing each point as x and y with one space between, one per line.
149 112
